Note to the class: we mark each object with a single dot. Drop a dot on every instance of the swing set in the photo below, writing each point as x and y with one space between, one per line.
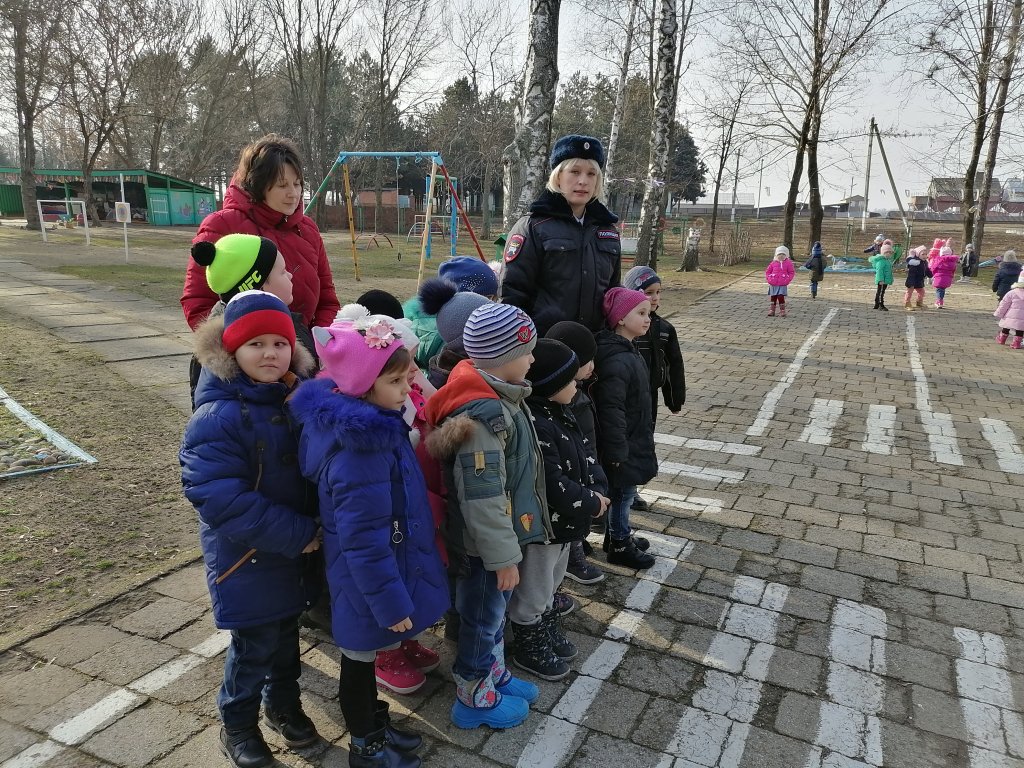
436 164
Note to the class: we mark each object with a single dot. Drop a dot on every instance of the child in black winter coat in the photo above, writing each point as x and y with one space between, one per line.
573 501
626 427
659 347
581 341
1007 274
917 272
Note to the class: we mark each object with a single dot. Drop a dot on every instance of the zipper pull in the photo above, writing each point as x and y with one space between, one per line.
396 536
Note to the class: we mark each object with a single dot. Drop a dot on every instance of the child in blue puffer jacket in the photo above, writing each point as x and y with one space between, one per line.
383 568
257 516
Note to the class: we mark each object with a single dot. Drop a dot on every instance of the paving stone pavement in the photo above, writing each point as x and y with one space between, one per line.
839 530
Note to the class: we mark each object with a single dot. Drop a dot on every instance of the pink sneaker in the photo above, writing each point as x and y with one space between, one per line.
395 672
421 657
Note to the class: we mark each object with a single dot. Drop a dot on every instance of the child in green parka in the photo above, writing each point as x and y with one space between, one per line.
882 262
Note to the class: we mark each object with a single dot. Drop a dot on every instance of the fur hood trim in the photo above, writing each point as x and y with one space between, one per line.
444 441
211 354
356 424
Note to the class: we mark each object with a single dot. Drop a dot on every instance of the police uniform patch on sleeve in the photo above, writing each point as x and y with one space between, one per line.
513 247
607 234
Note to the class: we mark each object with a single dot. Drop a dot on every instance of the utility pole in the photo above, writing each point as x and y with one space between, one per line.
892 183
760 178
735 184
867 177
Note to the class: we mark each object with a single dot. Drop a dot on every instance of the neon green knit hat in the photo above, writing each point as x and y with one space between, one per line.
236 263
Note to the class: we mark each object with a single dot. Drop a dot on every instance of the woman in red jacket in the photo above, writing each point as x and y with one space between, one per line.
265 198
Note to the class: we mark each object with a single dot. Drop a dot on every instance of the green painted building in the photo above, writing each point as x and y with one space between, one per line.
157 198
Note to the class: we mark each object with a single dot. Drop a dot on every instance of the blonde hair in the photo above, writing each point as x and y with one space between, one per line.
572 162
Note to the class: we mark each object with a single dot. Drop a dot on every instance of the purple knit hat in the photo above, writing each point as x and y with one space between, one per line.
619 302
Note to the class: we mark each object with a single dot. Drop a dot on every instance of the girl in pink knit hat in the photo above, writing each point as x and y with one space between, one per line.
386 578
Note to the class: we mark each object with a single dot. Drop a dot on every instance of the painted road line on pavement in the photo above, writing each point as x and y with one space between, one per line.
683 501
737 449
1004 443
881 430
824 417
554 737
939 426
771 400
848 721
995 730
713 731
114 705
708 474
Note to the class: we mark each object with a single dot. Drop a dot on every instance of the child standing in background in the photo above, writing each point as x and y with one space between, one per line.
1011 315
779 275
943 267
816 266
882 262
622 393
917 272
257 516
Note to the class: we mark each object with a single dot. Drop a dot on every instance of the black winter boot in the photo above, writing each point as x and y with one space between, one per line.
245 747
638 541
560 644
625 552
374 751
533 652
294 725
403 741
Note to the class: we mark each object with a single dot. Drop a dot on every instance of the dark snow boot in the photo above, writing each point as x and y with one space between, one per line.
533 652
625 552
293 725
245 747
374 751
403 741
560 644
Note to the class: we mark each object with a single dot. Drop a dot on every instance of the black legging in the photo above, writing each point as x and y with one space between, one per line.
357 695
1006 331
880 294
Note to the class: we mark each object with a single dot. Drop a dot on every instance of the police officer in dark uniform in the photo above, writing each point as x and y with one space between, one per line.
561 258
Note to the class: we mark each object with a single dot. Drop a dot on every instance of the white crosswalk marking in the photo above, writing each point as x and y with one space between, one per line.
824 417
848 722
996 731
939 426
714 730
881 430
1004 443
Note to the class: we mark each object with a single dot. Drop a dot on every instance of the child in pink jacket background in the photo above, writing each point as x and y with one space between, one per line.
779 275
1011 315
942 262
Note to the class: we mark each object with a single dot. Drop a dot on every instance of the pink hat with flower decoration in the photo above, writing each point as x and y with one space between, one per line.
355 348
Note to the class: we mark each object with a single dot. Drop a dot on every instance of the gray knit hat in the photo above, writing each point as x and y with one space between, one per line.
640 278
452 317
496 334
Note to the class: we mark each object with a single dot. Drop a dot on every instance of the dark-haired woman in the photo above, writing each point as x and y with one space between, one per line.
265 199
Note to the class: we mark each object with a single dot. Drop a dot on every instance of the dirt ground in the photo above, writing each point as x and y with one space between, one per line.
73 536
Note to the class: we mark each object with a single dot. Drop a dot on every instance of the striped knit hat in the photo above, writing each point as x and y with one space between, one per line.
254 313
496 334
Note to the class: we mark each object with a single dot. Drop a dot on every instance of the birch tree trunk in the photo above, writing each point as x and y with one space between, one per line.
661 128
620 103
981 116
1006 73
525 160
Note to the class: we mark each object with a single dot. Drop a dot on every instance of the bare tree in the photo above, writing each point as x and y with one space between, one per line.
1008 67
620 99
963 48
102 41
526 158
29 39
804 54
664 115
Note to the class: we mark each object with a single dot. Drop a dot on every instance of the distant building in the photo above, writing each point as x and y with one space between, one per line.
947 193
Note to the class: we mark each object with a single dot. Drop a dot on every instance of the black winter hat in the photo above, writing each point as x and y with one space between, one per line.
574 145
382 303
576 337
554 366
